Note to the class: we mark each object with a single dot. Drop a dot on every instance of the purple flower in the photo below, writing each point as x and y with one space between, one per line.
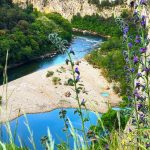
136 94
142 117
147 70
132 70
125 30
135 59
130 45
138 85
130 130
137 39
126 67
77 78
83 102
143 2
143 50
77 71
139 106
139 75
143 22
147 145
127 60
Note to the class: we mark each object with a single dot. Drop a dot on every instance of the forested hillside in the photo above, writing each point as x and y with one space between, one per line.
24 32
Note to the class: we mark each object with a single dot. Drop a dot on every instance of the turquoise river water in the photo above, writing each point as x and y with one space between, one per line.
39 123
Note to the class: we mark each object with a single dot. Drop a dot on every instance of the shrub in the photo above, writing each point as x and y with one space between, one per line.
110 121
56 80
116 89
49 74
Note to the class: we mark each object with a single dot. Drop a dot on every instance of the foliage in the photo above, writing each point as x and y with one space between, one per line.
109 58
110 120
56 80
70 82
49 74
109 132
96 23
24 32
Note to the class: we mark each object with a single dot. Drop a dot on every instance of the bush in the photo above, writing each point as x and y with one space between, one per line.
116 89
97 24
110 121
112 63
113 43
49 74
56 80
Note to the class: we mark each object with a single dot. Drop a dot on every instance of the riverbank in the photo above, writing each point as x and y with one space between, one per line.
36 93
47 55
88 32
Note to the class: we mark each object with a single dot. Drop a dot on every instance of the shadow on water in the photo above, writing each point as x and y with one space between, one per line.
82 45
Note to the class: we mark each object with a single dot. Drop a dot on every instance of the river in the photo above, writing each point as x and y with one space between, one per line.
82 45
39 123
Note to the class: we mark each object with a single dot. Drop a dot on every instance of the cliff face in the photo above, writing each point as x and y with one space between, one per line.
68 8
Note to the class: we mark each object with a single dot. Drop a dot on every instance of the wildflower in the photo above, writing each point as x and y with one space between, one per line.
135 59
143 50
143 2
132 70
147 145
146 70
126 68
139 106
130 130
83 102
138 85
130 45
137 39
77 71
77 78
143 22
136 94
127 60
125 30
142 117
139 75
143 87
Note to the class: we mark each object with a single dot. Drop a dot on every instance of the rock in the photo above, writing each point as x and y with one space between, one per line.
67 94
107 88
77 63
68 8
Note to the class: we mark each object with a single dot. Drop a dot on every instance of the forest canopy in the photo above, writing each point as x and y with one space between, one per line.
24 32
